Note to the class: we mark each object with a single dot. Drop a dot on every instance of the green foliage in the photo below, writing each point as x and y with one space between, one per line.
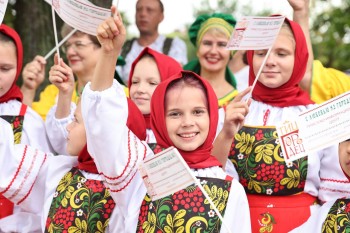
330 36
223 6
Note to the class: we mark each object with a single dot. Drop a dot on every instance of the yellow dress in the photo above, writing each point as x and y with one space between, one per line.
327 83
48 98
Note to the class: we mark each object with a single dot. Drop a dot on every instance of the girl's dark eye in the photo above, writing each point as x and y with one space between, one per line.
173 114
198 112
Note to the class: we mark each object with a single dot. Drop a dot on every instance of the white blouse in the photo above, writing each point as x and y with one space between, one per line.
117 151
33 133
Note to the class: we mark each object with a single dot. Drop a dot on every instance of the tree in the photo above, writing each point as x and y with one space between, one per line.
222 6
330 36
33 22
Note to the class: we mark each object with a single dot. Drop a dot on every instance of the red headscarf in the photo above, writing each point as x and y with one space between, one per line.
14 92
290 93
135 123
201 157
167 67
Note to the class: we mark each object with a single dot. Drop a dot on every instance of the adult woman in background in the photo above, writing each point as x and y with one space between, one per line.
210 34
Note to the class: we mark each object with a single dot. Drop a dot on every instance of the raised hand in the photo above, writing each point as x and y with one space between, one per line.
61 75
33 73
301 11
111 33
235 114
299 5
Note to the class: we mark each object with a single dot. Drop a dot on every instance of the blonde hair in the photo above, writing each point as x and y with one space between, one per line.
217 32
287 30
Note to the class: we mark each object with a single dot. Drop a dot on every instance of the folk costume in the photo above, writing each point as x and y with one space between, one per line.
185 209
68 191
332 217
281 196
28 128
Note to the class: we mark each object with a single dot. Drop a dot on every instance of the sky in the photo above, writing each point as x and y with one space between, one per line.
178 13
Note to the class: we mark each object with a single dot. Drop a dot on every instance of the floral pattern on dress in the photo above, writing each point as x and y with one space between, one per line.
155 148
186 210
17 126
338 218
258 159
266 223
79 205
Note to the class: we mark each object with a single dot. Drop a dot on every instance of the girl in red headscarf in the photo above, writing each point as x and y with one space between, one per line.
184 115
27 127
67 191
147 71
281 196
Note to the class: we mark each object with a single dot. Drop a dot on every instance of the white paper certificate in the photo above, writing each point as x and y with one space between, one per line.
81 15
165 173
327 124
3 6
255 33
323 126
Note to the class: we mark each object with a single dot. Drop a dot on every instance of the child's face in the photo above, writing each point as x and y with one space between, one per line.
187 117
76 139
344 156
212 53
279 65
8 66
145 79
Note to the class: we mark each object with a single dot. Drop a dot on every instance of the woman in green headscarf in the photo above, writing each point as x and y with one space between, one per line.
210 34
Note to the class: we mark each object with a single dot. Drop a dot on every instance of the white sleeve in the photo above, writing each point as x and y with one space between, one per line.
21 168
237 215
178 51
231 170
115 149
34 133
57 129
334 184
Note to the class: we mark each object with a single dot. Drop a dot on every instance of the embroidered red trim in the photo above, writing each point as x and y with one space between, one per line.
28 172
18 169
334 190
30 190
127 184
126 166
336 181
266 116
131 169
